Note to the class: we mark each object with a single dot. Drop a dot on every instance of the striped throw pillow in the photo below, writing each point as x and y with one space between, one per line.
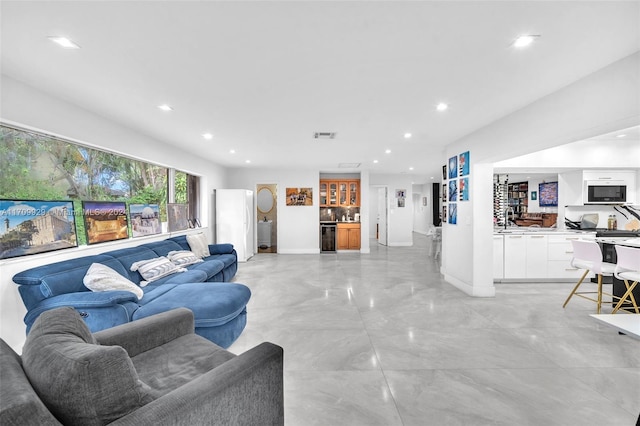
154 269
183 257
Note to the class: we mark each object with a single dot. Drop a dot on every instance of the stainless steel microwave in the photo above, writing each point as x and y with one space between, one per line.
606 192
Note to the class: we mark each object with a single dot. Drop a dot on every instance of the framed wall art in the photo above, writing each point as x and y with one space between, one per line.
299 196
453 213
177 217
463 189
453 190
105 221
31 227
453 167
463 163
145 219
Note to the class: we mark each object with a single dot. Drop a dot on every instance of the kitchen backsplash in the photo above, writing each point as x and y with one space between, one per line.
336 213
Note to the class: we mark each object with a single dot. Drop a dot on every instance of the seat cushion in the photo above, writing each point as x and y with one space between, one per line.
210 267
212 304
80 381
227 259
178 362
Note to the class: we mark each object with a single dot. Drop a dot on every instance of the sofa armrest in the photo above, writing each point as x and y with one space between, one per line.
222 248
81 300
246 390
147 333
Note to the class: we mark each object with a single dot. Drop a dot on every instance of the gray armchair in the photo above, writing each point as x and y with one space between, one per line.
151 371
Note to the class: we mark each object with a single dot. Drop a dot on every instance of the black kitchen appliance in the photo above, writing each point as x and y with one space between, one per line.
606 192
328 237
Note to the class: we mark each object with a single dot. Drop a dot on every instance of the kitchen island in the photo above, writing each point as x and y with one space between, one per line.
535 254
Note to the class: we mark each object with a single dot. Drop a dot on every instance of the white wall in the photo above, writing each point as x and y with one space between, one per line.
602 102
27 107
589 154
298 226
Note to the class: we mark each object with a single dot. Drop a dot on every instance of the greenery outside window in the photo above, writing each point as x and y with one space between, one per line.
36 166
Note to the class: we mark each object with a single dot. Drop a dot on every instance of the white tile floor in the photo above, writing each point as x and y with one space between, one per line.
381 339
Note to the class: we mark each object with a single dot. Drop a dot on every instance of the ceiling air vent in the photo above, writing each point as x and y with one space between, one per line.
324 135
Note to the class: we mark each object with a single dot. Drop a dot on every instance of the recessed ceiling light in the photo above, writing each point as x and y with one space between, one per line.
232 151
165 107
207 136
621 136
64 42
525 40
407 135
410 168
442 106
247 161
375 161
388 151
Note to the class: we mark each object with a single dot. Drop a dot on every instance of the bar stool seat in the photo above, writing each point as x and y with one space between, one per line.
587 255
627 269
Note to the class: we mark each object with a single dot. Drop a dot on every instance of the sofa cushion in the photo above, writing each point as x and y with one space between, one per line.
199 245
210 267
163 247
128 256
154 269
227 259
19 403
80 381
210 308
167 367
100 277
66 276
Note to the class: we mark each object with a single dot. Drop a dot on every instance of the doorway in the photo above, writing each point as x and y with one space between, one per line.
267 217
382 216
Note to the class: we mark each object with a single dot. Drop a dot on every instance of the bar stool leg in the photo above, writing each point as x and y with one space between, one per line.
576 288
599 293
628 293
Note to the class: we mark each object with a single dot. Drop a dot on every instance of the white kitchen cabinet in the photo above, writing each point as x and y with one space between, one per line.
498 257
560 252
515 256
535 256
536 246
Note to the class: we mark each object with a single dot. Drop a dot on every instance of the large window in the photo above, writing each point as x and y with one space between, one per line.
35 166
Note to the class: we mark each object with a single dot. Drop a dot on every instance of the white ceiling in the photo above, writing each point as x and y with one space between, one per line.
263 76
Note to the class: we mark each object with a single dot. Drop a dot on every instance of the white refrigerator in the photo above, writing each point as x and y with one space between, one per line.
234 220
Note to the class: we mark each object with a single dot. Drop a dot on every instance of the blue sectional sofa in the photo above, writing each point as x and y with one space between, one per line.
219 306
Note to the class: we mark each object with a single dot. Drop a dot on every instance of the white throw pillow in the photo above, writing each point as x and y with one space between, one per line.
100 277
183 257
198 244
154 269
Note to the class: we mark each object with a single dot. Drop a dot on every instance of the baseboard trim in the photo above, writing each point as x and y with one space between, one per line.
489 291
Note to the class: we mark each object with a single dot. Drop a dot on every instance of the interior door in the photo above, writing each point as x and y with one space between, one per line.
383 211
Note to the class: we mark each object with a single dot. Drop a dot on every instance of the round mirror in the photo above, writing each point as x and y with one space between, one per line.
265 200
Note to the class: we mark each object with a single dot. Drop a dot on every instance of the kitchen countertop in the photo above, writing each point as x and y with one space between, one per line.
525 230
339 221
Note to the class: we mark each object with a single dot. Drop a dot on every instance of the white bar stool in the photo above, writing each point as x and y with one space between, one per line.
627 269
587 255
436 241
